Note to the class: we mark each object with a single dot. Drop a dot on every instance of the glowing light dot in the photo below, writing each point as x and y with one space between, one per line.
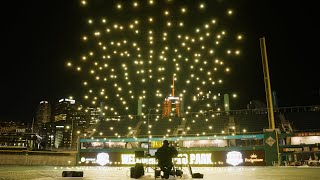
202 6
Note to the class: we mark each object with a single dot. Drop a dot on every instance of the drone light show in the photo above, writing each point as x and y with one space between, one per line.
147 51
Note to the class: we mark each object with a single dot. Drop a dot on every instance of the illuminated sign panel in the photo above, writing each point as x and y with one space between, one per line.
234 158
102 159
127 159
308 134
181 159
205 143
173 98
305 140
68 100
102 145
304 148
197 158
200 158
253 158
216 158
292 149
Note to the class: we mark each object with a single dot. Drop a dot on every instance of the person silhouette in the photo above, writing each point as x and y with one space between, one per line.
164 156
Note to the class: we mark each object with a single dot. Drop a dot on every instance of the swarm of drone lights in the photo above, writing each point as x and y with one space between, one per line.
134 50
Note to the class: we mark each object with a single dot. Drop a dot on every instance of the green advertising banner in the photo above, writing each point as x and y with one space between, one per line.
271 147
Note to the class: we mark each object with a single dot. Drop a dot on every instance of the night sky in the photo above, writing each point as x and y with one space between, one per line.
40 35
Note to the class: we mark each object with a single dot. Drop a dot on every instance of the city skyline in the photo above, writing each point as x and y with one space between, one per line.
50 34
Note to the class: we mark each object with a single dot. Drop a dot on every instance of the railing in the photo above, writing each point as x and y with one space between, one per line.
312 108
301 118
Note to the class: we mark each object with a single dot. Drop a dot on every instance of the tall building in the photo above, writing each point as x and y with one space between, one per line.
69 122
44 112
43 115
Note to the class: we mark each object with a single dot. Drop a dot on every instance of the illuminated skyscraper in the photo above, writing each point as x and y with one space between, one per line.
68 120
43 112
43 115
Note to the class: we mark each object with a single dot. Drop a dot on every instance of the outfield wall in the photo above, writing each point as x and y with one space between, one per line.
37 158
